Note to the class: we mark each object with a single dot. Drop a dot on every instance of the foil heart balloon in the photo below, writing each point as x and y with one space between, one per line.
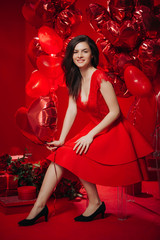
145 21
67 21
97 15
38 122
149 56
121 10
30 14
66 3
34 51
119 85
120 62
108 51
124 35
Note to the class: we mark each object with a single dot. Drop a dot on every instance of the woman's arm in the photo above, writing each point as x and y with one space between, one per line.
67 123
110 98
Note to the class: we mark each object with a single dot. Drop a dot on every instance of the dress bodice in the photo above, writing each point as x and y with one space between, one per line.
95 106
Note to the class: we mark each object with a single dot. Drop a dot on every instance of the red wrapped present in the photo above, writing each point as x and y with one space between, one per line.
27 192
8 184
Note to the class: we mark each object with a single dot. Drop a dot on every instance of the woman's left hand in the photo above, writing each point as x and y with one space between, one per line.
83 143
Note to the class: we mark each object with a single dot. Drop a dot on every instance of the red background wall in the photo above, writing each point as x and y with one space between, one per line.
12 72
15 70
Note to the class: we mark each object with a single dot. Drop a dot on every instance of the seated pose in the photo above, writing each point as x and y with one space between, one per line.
108 151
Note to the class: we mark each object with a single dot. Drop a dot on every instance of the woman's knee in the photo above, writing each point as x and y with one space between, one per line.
57 167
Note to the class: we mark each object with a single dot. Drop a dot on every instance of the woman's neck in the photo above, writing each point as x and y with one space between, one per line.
87 72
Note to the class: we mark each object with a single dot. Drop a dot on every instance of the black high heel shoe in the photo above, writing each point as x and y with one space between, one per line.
100 210
29 222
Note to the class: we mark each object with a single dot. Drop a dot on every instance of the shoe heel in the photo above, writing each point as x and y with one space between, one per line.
102 215
46 218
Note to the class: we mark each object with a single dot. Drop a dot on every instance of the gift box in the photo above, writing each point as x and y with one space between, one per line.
8 184
27 192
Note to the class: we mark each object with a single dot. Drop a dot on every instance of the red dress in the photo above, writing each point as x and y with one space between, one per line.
113 158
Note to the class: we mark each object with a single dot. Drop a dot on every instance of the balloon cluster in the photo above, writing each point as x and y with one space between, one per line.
55 20
129 39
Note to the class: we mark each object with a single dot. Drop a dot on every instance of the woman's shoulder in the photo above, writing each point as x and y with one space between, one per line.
100 75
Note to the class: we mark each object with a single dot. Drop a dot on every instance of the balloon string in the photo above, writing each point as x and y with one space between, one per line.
133 109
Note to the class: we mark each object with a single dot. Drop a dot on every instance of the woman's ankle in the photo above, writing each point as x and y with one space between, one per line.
95 203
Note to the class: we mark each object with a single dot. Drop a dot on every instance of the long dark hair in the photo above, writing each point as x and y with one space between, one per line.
71 71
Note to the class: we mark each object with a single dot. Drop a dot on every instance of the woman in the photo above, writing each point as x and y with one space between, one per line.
106 151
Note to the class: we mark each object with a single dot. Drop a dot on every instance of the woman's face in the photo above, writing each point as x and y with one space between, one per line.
82 55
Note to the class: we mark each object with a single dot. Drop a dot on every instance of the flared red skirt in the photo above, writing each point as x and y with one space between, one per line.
115 157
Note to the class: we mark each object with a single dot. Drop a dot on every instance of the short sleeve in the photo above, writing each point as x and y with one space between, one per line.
100 76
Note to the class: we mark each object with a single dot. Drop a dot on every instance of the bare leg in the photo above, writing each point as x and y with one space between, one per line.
52 177
93 197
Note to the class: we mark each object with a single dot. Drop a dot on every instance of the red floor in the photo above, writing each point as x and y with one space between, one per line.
142 223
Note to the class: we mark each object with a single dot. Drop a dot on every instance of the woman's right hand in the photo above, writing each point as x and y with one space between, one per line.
54 145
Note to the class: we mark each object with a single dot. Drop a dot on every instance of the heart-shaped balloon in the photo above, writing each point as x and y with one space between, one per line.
149 55
66 3
67 21
50 66
137 82
29 13
38 85
124 35
121 10
108 51
119 85
34 51
50 41
97 15
38 122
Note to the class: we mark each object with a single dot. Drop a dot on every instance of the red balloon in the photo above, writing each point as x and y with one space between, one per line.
50 66
148 3
149 55
108 51
124 35
66 22
38 122
120 62
49 14
148 25
119 85
157 11
31 1
34 51
30 15
66 3
50 41
121 10
37 85
55 83
97 15
137 82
